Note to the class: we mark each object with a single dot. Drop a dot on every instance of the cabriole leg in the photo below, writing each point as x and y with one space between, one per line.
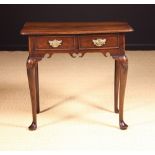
31 73
123 78
121 70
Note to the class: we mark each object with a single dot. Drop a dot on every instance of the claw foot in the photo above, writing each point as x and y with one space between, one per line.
123 126
33 126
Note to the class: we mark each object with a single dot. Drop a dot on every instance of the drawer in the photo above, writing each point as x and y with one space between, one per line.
54 43
104 41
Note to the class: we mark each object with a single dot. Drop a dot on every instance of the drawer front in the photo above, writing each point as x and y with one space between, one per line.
54 43
104 41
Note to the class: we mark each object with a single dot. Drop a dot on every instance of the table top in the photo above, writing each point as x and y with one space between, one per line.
57 28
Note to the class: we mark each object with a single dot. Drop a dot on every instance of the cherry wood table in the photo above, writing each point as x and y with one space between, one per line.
77 38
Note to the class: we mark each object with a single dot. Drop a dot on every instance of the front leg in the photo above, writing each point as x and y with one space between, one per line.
31 73
123 64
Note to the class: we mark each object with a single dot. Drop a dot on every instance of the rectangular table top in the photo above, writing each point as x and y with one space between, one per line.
57 28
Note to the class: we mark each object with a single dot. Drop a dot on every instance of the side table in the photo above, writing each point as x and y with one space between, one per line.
77 38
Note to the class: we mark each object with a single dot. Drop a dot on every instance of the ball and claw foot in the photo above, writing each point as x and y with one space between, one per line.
33 126
123 125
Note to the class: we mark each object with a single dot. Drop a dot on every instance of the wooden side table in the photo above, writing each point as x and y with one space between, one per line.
77 38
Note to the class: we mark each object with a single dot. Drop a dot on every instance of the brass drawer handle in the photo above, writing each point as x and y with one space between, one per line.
99 42
55 43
